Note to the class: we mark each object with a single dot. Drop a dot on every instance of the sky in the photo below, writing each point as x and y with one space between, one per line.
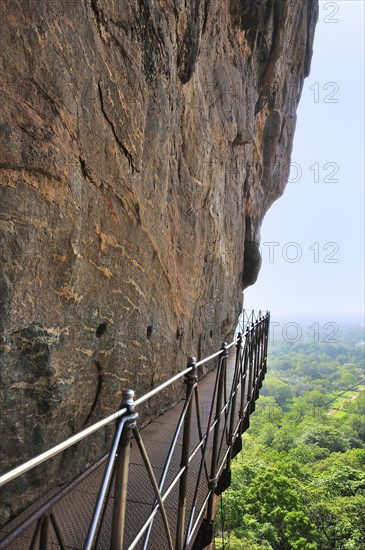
312 239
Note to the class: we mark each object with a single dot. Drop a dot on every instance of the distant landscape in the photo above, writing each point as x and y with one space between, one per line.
299 483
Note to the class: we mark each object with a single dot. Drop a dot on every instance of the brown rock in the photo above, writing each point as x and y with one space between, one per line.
142 143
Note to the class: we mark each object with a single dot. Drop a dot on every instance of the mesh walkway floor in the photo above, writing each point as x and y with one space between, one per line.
73 512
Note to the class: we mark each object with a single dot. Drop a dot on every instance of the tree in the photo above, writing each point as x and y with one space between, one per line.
327 437
299 483
281 391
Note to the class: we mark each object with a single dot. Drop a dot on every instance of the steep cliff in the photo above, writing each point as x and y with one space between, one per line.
142 142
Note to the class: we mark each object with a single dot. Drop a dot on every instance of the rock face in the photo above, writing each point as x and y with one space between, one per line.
142 142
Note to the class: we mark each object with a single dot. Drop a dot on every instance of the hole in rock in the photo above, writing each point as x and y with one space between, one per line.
100 330
211 334
149 331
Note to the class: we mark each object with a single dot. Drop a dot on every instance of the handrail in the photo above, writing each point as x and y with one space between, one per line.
161 387
33 462
53 451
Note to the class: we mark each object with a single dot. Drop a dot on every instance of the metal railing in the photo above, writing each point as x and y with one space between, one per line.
247 319
185 494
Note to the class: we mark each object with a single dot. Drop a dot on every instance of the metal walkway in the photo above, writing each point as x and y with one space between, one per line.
163 480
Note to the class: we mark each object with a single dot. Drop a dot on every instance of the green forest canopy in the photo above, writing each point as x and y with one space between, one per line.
299 482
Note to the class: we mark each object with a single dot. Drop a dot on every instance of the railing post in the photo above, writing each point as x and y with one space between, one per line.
261 343
191 379
257 360
263 349
236 445
244 384
251 370
205 534
213 469
121 474
266 340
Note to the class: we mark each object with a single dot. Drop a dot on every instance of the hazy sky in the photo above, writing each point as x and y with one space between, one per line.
313 259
